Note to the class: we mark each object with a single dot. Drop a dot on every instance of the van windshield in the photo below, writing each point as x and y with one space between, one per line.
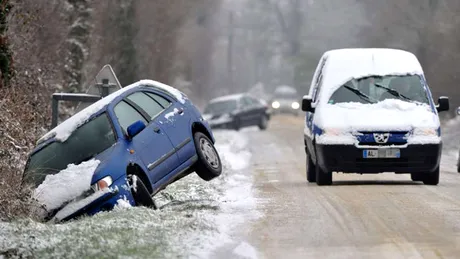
377 88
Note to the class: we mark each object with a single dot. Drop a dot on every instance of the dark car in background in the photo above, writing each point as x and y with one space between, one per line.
236 111
286 100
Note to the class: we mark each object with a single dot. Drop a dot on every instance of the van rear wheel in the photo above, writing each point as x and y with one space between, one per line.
416 177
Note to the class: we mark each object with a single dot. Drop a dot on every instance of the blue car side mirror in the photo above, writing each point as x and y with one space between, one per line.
135 128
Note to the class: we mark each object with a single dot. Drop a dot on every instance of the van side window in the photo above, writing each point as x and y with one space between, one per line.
319 81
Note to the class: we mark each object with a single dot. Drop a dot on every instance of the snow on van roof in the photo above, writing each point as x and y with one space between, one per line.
63 131
343 65
227 98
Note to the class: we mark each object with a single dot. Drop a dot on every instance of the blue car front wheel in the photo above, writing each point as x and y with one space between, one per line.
208 165
140 192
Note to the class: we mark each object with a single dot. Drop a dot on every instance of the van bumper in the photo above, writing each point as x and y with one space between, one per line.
349 159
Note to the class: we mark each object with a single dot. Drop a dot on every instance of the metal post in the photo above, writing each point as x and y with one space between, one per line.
105 87
54 108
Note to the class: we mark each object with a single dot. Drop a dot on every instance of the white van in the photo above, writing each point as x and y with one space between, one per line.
371 111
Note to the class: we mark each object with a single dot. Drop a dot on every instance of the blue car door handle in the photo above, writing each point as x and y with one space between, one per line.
156 130
179 111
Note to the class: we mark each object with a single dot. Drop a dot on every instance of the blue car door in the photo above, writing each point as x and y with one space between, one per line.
176 120
152 145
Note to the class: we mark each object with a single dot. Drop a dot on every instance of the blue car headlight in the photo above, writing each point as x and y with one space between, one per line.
104 183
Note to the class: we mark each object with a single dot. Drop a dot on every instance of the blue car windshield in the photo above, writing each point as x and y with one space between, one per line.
85 142
378 88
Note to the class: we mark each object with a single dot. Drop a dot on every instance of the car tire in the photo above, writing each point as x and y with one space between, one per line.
311 170
416 177
322 178
209 165
263 122
141 194
432 178
236 124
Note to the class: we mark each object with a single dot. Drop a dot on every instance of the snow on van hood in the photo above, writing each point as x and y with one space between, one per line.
348 119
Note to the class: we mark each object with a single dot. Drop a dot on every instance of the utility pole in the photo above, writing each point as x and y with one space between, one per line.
230 50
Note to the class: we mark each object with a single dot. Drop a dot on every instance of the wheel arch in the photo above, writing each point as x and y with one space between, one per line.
137 170
199 127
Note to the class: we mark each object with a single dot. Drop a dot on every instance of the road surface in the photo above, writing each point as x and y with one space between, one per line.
360 216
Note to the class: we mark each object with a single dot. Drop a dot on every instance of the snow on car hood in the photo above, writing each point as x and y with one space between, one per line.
66 185
346 119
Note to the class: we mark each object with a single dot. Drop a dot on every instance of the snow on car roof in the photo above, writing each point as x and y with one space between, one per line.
227 98
343 65
65 129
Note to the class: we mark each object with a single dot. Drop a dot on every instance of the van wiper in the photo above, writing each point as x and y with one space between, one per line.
360 94
394 92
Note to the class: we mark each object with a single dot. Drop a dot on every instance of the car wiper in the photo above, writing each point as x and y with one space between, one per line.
360 94
394 92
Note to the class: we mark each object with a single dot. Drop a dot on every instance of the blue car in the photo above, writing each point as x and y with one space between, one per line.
371 111
142 137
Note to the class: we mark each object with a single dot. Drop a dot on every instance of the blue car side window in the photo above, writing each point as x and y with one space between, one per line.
127 115
162 101
150 106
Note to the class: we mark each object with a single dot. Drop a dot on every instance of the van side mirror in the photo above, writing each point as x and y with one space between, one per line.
307 104
135 128
443 104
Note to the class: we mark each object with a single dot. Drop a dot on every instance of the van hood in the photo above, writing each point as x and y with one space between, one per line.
388 115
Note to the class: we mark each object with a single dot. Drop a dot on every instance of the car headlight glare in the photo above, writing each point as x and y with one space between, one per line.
276 104
102 184
295 105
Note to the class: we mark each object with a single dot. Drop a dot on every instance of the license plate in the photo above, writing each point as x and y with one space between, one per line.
381 153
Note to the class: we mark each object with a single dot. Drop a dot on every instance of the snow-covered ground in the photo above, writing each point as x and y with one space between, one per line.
195 218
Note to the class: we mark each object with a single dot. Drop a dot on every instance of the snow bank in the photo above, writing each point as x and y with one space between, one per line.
345 64
344 120
67 185
63 131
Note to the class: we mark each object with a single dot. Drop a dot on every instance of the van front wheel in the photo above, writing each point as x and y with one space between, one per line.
432 178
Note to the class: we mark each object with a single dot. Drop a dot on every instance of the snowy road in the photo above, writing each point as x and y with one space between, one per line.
262 207
360 216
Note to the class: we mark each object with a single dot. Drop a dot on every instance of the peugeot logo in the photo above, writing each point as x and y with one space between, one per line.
381 138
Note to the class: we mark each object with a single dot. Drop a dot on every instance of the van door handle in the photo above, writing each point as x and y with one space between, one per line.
156 130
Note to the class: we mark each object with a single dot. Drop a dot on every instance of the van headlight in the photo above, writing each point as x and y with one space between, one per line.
295 105
276 104
426 132
332 132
